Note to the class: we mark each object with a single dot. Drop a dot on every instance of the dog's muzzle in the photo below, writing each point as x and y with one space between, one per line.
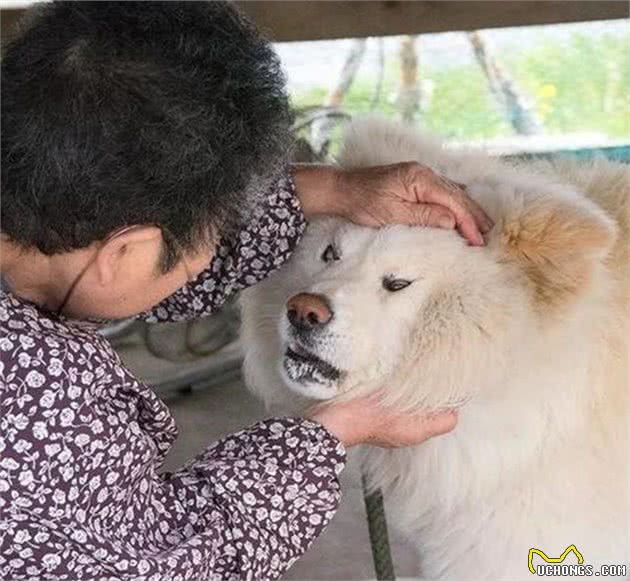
308 315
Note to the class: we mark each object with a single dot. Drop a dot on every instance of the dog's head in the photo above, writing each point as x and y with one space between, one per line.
417 312
370 307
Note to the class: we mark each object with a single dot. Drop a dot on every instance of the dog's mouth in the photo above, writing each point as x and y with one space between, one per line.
305 367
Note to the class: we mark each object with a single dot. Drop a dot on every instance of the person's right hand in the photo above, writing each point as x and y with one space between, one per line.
368 421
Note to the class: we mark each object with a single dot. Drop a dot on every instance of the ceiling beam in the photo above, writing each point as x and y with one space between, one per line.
316 19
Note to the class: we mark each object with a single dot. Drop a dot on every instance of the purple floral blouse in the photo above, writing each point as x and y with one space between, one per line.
82 442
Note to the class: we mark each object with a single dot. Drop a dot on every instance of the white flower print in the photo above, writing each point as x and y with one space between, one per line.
87 377
82 439
55 367
42 537
143 567
35 379
50 561
74 391
102 495
22 446
23 502
52 449
47 399
26 477
9 464
66 417
67 472
249 498
19 421
79 536
26 342
40 430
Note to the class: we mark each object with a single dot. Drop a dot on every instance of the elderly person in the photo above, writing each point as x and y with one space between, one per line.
145 173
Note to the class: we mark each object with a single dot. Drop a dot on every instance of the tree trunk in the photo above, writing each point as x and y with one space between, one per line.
380 75
409 96
322 128
512 104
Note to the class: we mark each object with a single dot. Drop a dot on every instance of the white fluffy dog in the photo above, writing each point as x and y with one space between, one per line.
528 335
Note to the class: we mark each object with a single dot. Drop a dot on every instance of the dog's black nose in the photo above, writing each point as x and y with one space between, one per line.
308 311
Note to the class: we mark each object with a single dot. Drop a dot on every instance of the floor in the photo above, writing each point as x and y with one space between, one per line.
218 407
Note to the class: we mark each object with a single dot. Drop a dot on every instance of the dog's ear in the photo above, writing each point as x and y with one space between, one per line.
557 244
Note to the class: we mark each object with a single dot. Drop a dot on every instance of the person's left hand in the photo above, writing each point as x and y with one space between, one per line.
402 193
410 193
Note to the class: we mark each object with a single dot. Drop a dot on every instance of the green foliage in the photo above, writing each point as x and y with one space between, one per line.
462 106
580 84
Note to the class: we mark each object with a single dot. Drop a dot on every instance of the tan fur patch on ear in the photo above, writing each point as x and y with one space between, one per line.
557 245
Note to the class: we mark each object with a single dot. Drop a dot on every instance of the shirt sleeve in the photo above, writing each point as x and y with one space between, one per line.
246 509
241 261
82 493
273 489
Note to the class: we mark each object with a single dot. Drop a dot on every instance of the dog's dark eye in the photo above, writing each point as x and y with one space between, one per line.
395 284
330 254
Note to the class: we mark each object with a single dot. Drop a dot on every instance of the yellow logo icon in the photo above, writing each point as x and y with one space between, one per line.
569 549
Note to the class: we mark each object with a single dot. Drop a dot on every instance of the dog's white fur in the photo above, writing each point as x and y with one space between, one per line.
528 335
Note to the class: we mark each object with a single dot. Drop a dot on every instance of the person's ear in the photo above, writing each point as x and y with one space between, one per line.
141 244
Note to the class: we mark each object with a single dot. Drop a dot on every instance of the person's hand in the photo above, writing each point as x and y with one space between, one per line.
402 193
410 193
368 421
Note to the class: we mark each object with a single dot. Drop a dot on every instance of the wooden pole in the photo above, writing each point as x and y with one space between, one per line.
510 101
409 95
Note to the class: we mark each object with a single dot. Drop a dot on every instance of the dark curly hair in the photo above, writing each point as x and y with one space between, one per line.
117 113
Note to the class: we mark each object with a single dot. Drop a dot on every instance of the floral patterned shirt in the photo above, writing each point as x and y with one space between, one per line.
82 441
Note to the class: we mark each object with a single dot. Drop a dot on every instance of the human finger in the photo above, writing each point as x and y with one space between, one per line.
420 214
456 201
428 186
484 221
